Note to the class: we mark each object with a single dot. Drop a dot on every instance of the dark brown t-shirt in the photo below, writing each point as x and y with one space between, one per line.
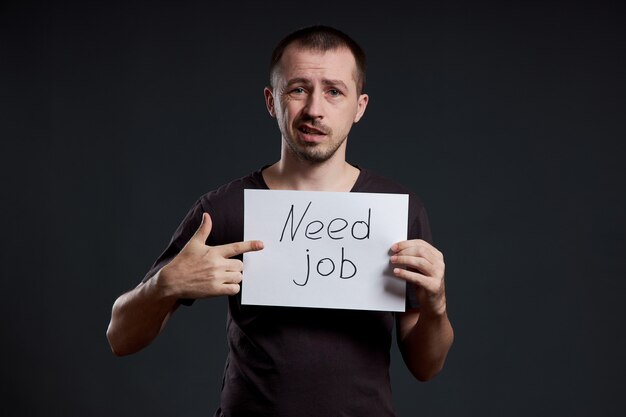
286 361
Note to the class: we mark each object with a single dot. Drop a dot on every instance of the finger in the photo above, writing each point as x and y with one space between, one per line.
413 277
238 248
233 265
423 265
408 244
419 252
229 289
204 230
231 277
417 247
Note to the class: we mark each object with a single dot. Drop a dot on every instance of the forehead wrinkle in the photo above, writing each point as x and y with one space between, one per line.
299 80
324 81
331 83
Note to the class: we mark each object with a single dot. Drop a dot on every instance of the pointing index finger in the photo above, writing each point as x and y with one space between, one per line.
237 248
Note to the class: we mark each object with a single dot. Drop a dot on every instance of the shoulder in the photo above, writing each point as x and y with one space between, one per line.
225 204
372 182
231 192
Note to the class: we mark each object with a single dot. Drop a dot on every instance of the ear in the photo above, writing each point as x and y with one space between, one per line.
361 106
269 101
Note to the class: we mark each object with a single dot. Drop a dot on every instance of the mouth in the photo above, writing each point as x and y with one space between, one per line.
310 130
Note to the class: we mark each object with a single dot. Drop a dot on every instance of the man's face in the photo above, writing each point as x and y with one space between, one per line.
315 101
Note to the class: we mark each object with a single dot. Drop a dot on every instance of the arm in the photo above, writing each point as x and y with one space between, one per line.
425 333
139 315
198 271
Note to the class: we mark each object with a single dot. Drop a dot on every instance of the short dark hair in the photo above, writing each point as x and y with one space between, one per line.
321 38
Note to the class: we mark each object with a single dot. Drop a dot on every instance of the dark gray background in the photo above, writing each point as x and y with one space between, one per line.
506 119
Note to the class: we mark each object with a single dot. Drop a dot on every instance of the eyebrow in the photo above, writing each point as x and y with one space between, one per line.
325 82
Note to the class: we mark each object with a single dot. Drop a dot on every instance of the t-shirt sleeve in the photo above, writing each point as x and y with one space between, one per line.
181 236
419 229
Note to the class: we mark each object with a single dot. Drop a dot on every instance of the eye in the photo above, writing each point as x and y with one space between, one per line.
297 90
334 92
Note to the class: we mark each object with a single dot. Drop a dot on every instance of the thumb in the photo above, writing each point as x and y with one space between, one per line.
204 230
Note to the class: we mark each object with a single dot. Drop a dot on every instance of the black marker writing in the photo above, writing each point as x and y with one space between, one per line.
290 216
332 229
360 229
314 230
326 266
308 265
343 261
367 226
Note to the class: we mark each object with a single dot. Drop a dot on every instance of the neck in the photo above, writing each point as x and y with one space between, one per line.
292 173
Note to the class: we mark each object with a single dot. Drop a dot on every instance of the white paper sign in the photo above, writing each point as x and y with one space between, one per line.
323 249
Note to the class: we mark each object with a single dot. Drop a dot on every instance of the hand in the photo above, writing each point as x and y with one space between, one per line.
424 268
201 271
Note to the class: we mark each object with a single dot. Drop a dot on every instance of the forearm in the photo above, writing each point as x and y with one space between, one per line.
138 316
426 344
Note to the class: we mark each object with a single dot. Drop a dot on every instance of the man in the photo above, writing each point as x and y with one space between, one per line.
298 361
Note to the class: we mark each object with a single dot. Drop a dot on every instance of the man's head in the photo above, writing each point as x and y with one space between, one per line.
321 39
315 93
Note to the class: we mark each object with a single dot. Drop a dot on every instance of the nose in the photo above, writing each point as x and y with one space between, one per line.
314 106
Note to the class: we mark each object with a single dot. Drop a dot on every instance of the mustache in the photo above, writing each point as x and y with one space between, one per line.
314 123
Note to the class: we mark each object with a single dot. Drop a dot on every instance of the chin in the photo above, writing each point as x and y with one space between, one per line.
314 152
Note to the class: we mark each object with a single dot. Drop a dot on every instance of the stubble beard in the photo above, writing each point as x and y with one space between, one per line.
313 152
